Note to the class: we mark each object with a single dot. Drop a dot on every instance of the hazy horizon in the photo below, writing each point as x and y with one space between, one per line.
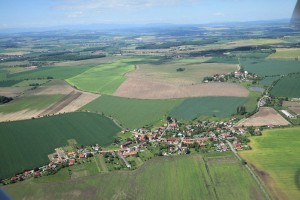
55 13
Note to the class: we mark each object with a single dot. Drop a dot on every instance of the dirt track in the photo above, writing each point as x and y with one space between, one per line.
61 104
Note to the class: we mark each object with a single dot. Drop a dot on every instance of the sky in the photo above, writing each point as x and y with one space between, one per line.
50 13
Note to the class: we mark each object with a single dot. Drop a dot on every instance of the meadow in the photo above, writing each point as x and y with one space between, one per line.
287 87
271 67
29 142
176 177
207 106
104 79
132 113
275 156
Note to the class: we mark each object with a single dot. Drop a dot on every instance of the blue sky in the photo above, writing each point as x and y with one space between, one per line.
47 13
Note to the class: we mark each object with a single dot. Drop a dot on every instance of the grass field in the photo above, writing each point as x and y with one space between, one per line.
29 142
268 81
271 67
37 102
26 83
9 83
132 113
44 72
275 155
286 53
207 106
178 177
287 87
104 79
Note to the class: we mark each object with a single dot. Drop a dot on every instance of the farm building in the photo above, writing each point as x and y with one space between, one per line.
288 114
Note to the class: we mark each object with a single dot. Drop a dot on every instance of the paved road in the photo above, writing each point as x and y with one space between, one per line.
251 171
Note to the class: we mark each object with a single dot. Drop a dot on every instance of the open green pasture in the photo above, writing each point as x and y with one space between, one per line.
34 102
29 142
287 87
271 67
104 78
177 177
132 113
207 106
275 155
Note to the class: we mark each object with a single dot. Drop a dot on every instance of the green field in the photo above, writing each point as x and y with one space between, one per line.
271 67
9 83
104 79
286 53
276 156
207 106
29 142
287 87
268 81
178 177
132 113
34 102
44 72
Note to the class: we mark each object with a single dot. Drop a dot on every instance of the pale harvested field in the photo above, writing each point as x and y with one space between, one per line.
145 89
291 104
12 91
164 82
73 100
20 115
264 117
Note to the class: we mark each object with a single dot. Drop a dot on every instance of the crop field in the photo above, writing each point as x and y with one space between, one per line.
29 142
104 79
264 117
177 177
207 106
9 83
286 53
275 158
271 67
287 87
132 113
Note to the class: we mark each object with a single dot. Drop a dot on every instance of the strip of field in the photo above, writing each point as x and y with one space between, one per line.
293 106
132 113
29 142
207 106
264 117
287 86
104 79
286 53
275 158
177 177
12 91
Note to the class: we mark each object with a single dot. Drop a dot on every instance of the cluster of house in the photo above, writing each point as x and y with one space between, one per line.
57 160
180 138
239 74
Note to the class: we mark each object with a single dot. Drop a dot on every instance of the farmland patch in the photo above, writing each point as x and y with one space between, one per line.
275 158
132 113
264 117
176 177
207 106
287 86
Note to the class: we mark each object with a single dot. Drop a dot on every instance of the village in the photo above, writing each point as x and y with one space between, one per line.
173 138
